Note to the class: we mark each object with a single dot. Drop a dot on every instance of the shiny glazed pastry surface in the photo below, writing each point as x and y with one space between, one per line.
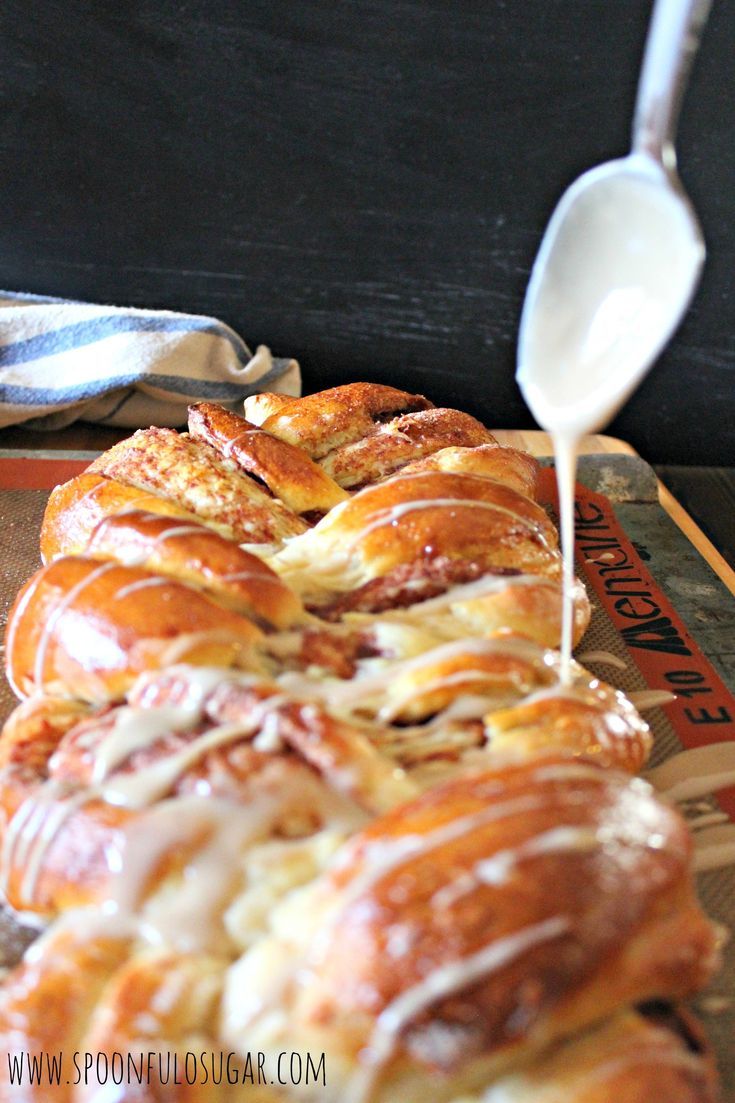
293 769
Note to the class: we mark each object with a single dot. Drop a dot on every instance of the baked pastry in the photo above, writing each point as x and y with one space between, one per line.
431 941
261 486
82 628
434 942
327 420
452 515
293 767
75 777
287 471
162 471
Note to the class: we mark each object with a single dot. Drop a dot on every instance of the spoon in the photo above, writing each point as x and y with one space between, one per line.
616 270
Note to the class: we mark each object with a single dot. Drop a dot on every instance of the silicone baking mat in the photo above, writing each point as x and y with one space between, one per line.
658 609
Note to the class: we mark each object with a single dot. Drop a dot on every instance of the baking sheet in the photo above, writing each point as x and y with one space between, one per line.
703 610
702 622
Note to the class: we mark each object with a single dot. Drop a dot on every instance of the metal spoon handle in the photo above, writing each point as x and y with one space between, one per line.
673 38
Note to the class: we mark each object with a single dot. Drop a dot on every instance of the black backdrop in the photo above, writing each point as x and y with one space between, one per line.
359 183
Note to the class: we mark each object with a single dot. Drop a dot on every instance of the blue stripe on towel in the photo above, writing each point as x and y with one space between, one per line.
179 387
67 338
196 388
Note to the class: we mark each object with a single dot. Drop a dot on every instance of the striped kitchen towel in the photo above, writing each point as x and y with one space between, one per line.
62 360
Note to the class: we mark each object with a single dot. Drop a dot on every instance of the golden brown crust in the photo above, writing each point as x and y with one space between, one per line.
45 1006
168 1004
423 516
199 557
174 466
587 719
518 470
389 446
594 721
258 407
533 610
84 629
330 419
74 510
288 472
145 1023
460 881
76 867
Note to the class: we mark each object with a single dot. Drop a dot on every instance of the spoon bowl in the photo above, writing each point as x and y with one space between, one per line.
621 256
616 270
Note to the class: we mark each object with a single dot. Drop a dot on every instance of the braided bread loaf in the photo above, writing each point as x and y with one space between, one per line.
293 769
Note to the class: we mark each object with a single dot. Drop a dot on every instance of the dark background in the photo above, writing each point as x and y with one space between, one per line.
362 185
